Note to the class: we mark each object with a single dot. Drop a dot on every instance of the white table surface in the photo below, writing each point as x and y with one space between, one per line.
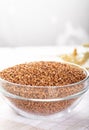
78 119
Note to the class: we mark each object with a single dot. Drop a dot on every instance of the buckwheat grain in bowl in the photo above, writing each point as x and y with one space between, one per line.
43 88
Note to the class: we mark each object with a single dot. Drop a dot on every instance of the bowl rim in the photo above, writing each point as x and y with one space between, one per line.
84 69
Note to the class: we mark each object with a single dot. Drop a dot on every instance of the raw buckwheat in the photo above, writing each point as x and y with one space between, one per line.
42 80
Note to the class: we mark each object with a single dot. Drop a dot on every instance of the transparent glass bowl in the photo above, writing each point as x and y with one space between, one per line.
43 101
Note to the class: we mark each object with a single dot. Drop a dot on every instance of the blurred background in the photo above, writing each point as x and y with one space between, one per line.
43 22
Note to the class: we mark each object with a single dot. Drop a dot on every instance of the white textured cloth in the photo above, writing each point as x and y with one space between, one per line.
78 119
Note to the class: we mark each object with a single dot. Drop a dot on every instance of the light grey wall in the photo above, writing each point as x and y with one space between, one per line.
43 22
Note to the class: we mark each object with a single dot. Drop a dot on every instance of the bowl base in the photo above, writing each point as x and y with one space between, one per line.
46 117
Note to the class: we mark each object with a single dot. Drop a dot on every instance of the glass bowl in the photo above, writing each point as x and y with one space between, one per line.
43 102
